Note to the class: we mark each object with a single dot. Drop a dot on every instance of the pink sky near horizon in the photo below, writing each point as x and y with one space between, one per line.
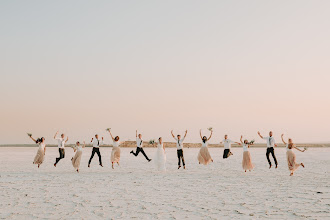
80 67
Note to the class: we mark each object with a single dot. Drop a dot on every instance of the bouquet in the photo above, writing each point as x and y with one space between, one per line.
152 141
305 148
251 142
108 129
210 129
29 134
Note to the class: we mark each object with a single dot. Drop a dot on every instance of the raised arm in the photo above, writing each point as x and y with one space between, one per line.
200 133
260 135
136 133
210 135
33 139
55 134
185 134
84 145
67 138
111 134
241 139
172 134
283 139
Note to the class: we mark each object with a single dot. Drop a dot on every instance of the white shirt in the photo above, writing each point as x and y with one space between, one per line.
139 142
97 143
245 147
115 144
270 141
227 143
179 143
61 142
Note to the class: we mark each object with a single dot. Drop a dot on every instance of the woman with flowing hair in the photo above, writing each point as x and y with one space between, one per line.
160 157
115 153
204 156
40 156
291 156
77 157
246 162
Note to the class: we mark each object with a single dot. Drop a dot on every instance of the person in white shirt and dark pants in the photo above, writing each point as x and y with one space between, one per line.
61 145
270 147
179 146
227 145
96 149
139 146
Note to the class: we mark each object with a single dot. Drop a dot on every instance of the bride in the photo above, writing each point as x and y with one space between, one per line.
160 157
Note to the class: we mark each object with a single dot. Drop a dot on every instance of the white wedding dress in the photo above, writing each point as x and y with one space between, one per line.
160 158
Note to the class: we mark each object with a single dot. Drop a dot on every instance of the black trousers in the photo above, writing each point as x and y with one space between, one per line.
95 150
226 153
138 150
270 150
62 155
180 157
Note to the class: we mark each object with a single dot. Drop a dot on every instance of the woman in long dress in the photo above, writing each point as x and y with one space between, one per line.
204 156
77 157
40 156
160 157
291 156
115 153
246 162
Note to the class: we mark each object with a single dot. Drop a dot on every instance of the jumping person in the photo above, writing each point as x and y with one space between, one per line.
270 147
227 145
179 146
246 162
290 155
204 156
115 153
40 156
77 157
61 145
96 149
139 146
160 157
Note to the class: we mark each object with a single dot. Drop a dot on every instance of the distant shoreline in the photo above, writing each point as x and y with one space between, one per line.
132 144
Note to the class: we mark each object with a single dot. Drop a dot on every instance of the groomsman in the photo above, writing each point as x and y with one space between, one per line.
61 145
227 145
139 146
179 146
96 149
270 147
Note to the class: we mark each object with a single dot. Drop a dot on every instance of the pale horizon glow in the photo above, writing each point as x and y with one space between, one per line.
237 66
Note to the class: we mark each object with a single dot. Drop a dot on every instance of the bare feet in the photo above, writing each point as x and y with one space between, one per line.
118 163
291 174
38 165
302 165
112 166
212 160
184 167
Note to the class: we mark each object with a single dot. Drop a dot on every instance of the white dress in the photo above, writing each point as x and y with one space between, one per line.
77 157
40 156
115 153
160 157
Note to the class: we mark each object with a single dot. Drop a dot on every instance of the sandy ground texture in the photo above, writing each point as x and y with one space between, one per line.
136 190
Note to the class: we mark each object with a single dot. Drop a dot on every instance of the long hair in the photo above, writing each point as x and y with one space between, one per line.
204 139
39 140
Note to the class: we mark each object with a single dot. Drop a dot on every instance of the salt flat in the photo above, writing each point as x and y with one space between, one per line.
135 189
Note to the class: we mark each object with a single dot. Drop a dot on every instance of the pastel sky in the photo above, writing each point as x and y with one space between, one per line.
239 66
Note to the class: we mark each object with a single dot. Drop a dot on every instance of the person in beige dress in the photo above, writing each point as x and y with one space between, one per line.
115 153
204 156
246 162
77 157
40 156
291 156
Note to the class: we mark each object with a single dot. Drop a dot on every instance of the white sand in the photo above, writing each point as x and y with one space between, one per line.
220 190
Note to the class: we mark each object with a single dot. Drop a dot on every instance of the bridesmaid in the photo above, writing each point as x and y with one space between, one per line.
115 153
204 156
77 157
40 156
290 155
246 162
160 157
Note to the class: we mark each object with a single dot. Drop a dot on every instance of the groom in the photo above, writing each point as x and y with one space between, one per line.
139 146
270 147
179 146
96 149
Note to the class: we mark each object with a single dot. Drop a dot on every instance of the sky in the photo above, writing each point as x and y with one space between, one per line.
237 66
